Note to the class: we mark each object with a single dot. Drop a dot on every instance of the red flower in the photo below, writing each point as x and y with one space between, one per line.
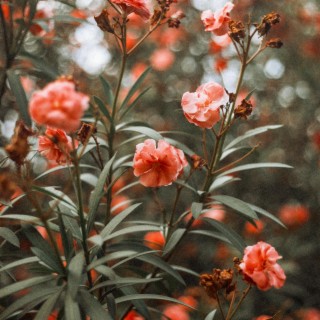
260 266
294 215
154 240
158 166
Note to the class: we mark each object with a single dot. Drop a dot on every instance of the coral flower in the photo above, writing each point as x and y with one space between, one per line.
158 166
133 315
139 7
202 107
55 145
260 266
175 312
294 215
154 240
58 105
217 22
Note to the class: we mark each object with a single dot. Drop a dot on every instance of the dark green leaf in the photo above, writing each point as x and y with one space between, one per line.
75 269
131 257
196 208
19 263
173 240
232 236
21 98
133 103
251 133
186 270
103 108
237 205
255 166
48 259
144 130
134 88
212 234
9 236
71 308
92 306
18 286
107 90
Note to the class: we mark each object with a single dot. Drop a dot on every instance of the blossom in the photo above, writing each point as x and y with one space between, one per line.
133 315
176 312
260 266
263 317
217 22
58 105
154 240
202 107
162 59
55 145
310 314
293 215
139 7
158 166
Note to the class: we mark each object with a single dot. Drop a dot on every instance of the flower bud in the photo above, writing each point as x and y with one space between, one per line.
274 43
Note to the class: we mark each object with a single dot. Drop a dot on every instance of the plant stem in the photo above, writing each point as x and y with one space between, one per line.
244 294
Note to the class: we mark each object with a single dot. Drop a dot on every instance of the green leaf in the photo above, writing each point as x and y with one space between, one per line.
98 193
46 309
173 240
255 166
71 308
75 269
232 236
186 185
107 90
230 151
210 233
186 270
251 133
267 214
150 297
133 104
145 131
18 286
48 260
37 295
9 236
211 315
21 98
103 108
92 306
117 220
236 204
22 217
196 208
134 88
221 182
18 263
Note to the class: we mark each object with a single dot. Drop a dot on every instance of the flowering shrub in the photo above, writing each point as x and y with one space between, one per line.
105 229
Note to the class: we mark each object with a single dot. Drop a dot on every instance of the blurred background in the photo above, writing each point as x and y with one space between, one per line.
286 91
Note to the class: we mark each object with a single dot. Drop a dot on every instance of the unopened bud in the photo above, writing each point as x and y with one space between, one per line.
274 43
103 21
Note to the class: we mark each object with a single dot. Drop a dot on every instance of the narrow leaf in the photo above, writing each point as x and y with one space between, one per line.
267 214
9 236
134 88
210 233
146 131
107 90
71 308
92 306
173 240
255 166
196 208
19 263
103 108
211 315
251 133
236 204
75 269
48 260
232 236
222 181
21 98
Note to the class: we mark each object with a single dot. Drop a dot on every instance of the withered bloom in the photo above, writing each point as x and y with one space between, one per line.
103 21
197 162
175 20
267 22
244 109
86 130
274 43
18 148
217 280
157 14
7 186
236 30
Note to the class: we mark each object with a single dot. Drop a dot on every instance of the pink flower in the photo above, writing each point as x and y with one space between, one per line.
176 312
55 145
58 105
217 22
158 166
260 266
202 107
162 59
139 7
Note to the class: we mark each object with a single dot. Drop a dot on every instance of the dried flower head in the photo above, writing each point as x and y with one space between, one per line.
244 109
267 22
7 186
85 132
175 19
103 21
197 162
217 280
236 30
18 148
274 43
